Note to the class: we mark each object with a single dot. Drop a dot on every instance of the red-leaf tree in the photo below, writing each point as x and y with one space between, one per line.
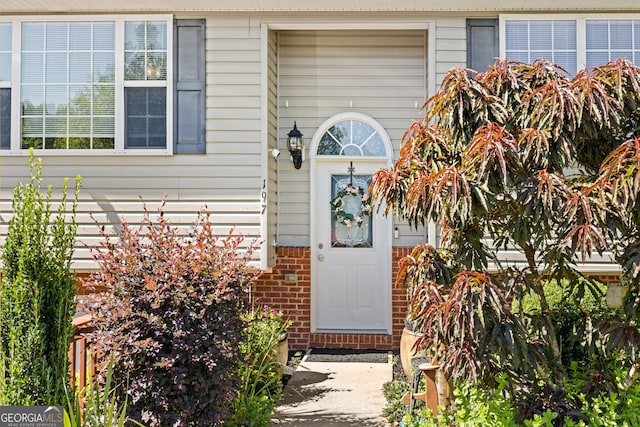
519 159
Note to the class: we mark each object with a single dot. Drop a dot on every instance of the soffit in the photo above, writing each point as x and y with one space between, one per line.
315 6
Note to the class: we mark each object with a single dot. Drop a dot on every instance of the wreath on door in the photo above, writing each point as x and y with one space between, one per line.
346 198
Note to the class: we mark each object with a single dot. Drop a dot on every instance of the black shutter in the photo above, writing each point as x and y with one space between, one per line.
189 90
482 43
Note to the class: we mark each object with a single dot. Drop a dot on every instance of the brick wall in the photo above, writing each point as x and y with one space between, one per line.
607 278
294 298
288 287
399 297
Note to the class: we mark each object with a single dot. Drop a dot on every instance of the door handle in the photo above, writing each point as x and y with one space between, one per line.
320 257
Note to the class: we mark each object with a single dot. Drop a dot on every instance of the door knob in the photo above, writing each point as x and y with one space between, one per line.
320 257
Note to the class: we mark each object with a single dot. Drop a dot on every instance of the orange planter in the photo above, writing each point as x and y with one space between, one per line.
407 349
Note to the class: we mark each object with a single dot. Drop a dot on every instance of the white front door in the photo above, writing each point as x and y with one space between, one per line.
351 248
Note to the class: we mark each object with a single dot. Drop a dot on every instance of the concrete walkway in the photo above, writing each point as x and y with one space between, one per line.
336 390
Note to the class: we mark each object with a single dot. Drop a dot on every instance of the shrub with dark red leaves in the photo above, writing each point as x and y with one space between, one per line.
170 316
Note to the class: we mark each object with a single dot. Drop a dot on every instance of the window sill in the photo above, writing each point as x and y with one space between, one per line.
79 153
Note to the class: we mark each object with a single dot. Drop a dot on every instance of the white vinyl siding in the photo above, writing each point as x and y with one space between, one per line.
233 100
451 46
227 180
111 206
326 72
312 75
595 264
112 188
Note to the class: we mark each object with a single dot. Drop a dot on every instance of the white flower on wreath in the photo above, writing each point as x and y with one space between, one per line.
338 204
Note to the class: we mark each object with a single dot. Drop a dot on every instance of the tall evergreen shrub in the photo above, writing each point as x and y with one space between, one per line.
37 295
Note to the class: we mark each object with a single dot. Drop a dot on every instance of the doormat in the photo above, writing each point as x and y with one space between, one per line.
344 355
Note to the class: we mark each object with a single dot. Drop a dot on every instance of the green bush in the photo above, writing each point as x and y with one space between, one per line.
575 308
37 297
474 406
260 372
617 406
393 391
171 317
588 295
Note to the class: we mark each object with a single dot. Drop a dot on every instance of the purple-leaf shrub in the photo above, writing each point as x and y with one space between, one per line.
170 315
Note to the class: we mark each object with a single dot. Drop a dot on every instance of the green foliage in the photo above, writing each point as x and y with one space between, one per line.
566 296
423 418
393 391
615 405
260 371
171 317
478 407
475 406
542 420
576 309
472 406
37 298
101 406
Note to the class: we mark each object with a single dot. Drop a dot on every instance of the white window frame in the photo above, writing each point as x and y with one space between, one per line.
120 85
581 28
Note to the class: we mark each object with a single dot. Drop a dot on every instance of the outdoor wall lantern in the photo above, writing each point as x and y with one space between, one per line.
295 145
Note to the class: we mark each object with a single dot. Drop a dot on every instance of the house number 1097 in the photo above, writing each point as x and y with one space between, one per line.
264 196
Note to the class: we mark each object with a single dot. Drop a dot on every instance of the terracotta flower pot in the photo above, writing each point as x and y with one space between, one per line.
407 349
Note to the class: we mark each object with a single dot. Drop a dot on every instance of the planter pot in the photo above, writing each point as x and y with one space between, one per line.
443 384
283 349
407 349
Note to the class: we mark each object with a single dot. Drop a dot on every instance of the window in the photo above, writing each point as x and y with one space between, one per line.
5 85
101 85
67 85
555 40
145 59
351 138
607 40
575 43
